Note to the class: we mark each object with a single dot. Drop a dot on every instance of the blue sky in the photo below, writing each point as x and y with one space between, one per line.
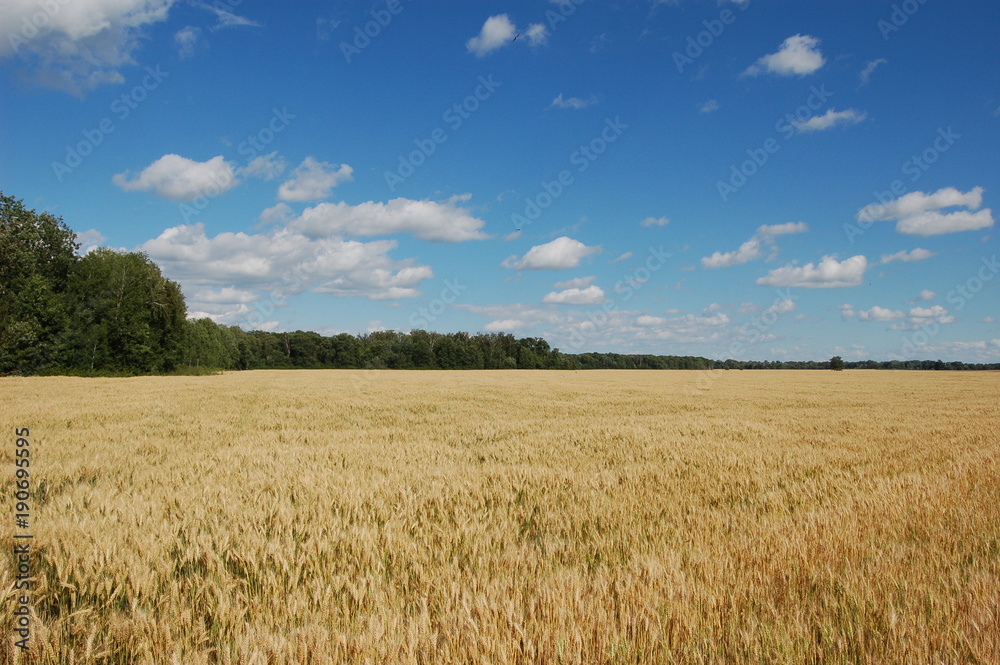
753 180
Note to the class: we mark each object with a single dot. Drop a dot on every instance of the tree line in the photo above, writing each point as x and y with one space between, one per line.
113 312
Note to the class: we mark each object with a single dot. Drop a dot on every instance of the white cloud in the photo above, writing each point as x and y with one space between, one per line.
866 73
919 317
572 102
936 223
915 203
753 248
280 262
181 179
709 107
789 228
655 221
623 257
80 44
847 311
785 306
575 283
186 39
592 295
917 254
537 34
560 254
89 239
927 294
748 251
266 167
427 220
277 214
829 120
647 320
798 55
497 31
877 313
313 180
917 212
226 18
934 312
827 274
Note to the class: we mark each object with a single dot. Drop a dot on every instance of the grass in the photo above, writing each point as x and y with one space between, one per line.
510 517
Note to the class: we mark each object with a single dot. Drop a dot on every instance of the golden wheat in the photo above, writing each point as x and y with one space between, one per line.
510 517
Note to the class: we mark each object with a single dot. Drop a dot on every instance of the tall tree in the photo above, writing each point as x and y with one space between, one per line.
37 253
127 316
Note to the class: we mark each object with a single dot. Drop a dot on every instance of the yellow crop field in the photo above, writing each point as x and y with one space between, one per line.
280 517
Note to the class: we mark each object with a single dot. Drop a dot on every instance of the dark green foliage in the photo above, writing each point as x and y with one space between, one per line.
37 253
106 312
837 364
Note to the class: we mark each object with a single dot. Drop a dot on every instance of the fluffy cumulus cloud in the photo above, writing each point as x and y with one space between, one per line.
537 34
76 45
560 254
499 31
312 180
877 313
753 248
918 213
748 251
496 32
829 120
591 295
921 317
230 271
798 55
88 240
829 273
181 179
427 220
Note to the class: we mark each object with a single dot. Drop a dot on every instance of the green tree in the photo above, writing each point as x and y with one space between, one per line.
837 363
37 253
127 316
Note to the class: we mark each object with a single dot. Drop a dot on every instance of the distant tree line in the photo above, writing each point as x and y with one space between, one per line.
111 312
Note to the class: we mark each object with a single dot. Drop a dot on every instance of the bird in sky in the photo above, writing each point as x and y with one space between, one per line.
515 37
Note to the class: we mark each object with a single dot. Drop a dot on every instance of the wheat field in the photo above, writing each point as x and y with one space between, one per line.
277 517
